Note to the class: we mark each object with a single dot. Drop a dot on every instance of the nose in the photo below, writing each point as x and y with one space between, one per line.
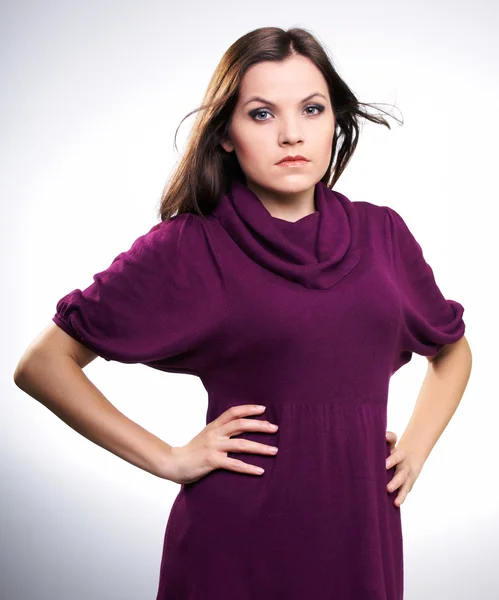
290 133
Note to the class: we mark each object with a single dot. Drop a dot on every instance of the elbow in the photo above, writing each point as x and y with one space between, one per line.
21 373
33 363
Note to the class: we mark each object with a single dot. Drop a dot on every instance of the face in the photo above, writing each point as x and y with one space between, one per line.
285 120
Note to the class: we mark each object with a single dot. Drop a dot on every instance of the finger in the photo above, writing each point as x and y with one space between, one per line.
399 499
396 456
391 437
234 464
247 446
236 412
402 495
242 425
396 481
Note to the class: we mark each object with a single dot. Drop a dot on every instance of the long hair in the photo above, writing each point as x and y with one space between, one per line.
206 169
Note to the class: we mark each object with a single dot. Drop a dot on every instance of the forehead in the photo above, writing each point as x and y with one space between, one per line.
295 77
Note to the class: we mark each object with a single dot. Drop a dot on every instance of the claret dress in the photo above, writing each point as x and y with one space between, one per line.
311 319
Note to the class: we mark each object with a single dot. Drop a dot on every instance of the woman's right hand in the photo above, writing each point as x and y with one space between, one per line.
208 450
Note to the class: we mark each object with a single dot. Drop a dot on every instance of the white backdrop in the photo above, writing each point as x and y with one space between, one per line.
91 97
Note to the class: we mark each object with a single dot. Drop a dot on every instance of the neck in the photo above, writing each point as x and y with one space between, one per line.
287 206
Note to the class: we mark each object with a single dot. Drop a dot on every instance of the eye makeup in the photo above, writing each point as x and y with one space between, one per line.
320 108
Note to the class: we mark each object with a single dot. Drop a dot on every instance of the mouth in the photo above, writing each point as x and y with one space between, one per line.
293 163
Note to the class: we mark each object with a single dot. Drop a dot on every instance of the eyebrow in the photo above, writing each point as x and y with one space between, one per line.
259 99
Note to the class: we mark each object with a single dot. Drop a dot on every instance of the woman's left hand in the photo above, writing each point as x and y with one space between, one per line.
406 470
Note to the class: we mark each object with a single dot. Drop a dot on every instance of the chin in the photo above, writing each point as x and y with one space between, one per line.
296 182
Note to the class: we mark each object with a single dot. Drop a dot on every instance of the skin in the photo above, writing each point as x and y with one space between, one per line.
406 470
261 134
288 128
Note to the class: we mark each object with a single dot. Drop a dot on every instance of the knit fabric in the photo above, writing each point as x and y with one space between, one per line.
311 319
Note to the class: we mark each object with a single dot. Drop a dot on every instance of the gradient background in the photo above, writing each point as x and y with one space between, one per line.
91 95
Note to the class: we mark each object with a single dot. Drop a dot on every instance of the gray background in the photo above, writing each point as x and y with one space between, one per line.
91 95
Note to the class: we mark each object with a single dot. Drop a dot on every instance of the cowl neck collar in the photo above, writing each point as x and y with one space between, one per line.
331 233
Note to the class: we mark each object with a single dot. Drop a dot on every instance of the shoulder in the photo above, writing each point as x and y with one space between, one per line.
398 232
180 236
369 209
389 220
373 217
380 211
185 249
375 211
172 229
384 224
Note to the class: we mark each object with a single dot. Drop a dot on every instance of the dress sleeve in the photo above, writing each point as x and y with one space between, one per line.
160 303
429 320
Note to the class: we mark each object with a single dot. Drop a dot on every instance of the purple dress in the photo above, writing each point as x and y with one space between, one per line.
310 319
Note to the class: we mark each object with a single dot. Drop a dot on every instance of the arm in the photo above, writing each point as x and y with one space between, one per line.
441 392
51 371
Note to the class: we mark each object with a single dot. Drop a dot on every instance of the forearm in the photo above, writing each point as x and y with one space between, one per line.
60 385
441 392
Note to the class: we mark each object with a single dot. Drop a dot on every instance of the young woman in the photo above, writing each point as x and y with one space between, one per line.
275 290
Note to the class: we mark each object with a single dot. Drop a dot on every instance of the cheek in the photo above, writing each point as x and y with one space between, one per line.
247 150
326 150
251 142
251 154
327 136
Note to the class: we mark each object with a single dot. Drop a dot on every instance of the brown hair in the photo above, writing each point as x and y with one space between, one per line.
205 169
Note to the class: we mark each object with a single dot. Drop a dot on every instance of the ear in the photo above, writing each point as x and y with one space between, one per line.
227 145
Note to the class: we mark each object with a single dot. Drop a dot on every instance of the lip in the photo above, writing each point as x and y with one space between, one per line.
293 163
297 158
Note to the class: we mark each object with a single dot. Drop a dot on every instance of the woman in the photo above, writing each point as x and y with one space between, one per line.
275 290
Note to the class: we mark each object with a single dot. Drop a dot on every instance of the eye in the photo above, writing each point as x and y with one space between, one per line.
319 107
